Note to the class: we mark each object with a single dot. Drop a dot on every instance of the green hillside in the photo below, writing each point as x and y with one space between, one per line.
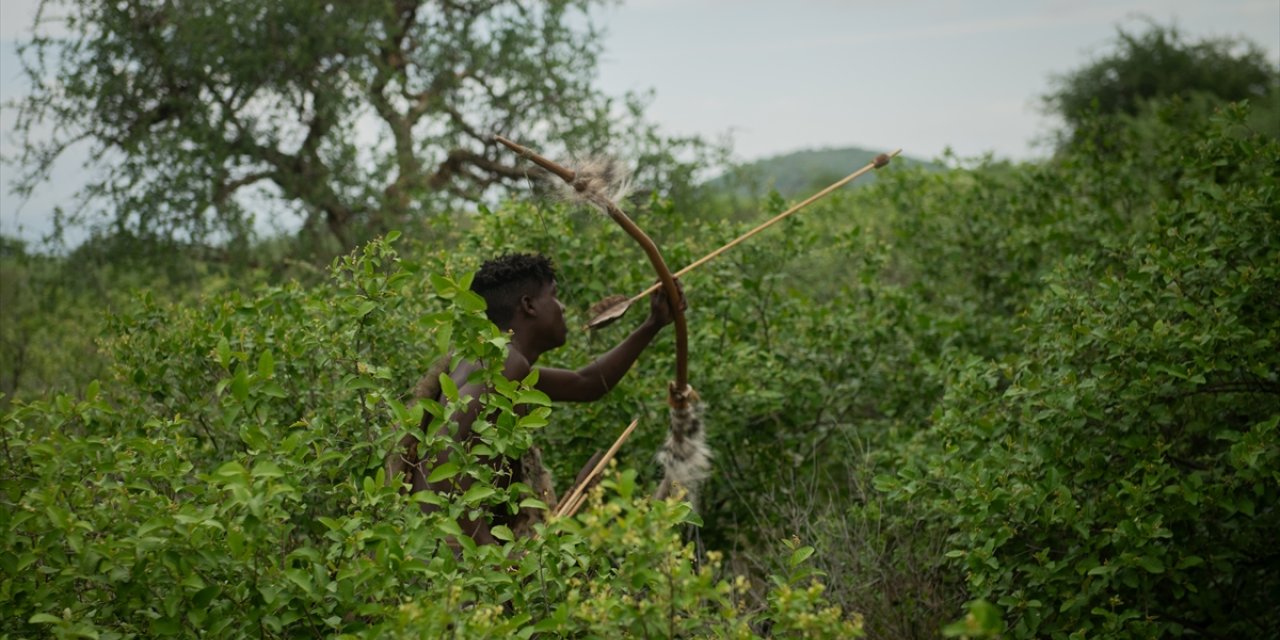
801 172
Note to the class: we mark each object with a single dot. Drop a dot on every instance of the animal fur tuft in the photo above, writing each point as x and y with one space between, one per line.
602 179
685 456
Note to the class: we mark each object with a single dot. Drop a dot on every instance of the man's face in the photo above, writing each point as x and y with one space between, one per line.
551 315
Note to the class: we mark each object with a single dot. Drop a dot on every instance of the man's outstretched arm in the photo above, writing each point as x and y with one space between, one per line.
596 379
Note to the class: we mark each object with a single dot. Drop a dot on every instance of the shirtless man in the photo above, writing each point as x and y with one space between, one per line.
520 291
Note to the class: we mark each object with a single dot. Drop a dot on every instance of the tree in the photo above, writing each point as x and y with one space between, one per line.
1160 63
357 115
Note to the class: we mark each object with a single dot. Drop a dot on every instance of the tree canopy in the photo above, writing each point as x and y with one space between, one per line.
357 115
1160 62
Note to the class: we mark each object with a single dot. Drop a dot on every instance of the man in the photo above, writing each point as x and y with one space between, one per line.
521 293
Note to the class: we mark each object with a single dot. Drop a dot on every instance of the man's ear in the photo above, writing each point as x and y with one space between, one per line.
526 305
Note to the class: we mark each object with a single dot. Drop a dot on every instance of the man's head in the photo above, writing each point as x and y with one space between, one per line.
521 288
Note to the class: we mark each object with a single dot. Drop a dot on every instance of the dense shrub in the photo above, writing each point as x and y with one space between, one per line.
1117 476
226 481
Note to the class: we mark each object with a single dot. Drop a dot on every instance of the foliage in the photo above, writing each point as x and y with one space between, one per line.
1000 400
38 321
1159 64
358 117
1117 475
225 481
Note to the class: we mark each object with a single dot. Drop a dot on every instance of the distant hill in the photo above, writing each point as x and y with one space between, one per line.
802 172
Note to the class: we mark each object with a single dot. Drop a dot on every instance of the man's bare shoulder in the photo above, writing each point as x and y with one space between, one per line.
517 366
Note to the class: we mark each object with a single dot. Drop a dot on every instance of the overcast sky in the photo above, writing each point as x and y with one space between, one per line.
782 75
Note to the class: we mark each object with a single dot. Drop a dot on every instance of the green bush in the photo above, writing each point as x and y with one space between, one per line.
226 481
1118 476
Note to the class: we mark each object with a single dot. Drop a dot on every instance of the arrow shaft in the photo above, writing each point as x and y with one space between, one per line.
768 223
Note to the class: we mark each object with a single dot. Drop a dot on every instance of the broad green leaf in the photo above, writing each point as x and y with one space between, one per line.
470 301
1151 563
266 365
273 389
229 471
443 286
534 397
476 493
533 503
450 527
800 555
240 384
448 388
443 472
364 308
224 353
205 596
267 469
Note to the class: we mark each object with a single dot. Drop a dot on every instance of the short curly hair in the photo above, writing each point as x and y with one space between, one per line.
503 280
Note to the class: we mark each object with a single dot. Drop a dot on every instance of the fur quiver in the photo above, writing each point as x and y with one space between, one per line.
685 456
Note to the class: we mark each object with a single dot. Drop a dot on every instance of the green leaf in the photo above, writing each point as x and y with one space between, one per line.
443 472
203 597
450 527
224 353
356 383
267 469
230 471
1190 561
800 555
331 523
470 301
240 385
692 517
477 493
266 365
448 387
364 308
502 532
300 578
273 389
44 618
444 287
533 503
444 337
1151 563
465 281
884 483
534 397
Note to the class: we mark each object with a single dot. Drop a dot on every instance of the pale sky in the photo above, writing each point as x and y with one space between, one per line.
779 76
918 74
